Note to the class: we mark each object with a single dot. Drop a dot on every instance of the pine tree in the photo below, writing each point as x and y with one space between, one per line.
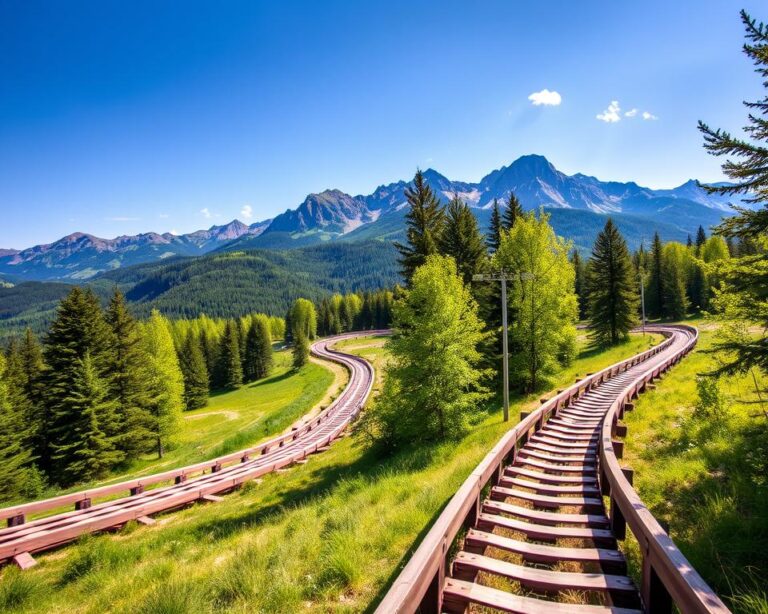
79 330
461 239
258 351
15 456
230 367
655 292
424 226
127 385
84 451
493 238
194 372
512 211
580 282
165 381
300 349
673 273
611 288
701 238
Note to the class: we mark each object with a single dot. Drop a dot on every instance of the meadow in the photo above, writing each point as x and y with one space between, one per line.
326 536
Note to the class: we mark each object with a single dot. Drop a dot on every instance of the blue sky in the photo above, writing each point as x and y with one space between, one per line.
122 117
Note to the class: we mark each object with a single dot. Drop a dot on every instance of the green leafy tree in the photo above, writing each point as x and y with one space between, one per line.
303 317
194 372
258 351
300 349
674 281
165 381
513 211
127 386
461 239
433 382
612 288
424 226
542 297
580 282
14 455
85 452
493 238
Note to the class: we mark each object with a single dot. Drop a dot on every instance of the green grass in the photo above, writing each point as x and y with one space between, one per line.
706 477
328 536
235 420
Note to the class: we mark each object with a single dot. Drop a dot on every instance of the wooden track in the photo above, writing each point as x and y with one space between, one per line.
21 538
539 537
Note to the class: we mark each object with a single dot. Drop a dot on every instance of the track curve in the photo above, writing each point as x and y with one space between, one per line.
20 539
536 522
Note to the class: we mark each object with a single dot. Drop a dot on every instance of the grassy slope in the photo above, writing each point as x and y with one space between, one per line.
706 478
326 536
234 420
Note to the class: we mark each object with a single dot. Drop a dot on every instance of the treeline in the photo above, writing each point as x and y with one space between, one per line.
369 310
103 388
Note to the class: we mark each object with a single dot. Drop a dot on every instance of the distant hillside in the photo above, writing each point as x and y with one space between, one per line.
219 285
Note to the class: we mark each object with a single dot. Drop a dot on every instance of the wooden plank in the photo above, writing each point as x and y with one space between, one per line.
549 489
599 521
457 594
499 492
544 532
212 498
145 520
584 469
24 560
549 477
466 565
478 541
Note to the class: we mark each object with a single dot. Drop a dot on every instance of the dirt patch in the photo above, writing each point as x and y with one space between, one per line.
227 413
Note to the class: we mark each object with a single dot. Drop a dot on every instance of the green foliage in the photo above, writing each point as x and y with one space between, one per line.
300 349
15 457
195 373
580 282
513 211
303 319
655 290
674 266
258 351
229 369
711 404
493 238
611 288
164 382
461 239
542 298
424 226
433 383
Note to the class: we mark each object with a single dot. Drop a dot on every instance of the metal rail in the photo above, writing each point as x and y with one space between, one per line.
668 577
225 473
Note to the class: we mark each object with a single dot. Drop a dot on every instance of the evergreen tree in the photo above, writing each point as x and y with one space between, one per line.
300 349
494 231
512 211
258 351
230 367
580 282
165 381
79 330
612 291
14 455
433 382
655 291
194 372
84 451
542 298
424 226
461 239
697 285
127 385
674 281
209 348
701 238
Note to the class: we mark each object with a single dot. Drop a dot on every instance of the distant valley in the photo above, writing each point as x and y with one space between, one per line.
577 203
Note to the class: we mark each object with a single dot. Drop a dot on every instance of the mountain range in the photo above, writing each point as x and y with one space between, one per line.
578 205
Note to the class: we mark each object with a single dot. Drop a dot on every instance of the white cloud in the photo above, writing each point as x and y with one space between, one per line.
206 213
122 219
546 98
647 115
247 212
612 114
630 113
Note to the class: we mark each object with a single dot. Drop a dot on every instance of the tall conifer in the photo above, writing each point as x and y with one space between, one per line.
461 239
258 351
513 211
493 239
195 373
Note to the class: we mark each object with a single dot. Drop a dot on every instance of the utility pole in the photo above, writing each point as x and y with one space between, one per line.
502 277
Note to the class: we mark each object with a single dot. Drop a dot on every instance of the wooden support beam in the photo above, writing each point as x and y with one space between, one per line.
212 498
145 520
24 560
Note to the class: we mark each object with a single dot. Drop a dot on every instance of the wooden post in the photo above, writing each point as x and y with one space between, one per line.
432 603
180 479
653 592
137 490
618 447
15 521
216 468
83 504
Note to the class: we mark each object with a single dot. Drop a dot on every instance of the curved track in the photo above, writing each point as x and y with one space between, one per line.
537 526
21 538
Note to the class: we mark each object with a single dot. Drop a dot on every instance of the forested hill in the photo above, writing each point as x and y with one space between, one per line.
219 285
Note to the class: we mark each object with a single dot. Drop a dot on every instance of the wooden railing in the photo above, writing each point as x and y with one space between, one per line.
18 514
667 575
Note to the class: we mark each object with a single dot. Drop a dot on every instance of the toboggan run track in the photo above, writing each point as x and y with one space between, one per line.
21 538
